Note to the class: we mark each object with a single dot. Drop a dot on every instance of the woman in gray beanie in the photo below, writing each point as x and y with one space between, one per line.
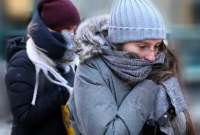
127 82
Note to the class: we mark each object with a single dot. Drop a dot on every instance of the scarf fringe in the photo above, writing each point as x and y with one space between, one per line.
42 62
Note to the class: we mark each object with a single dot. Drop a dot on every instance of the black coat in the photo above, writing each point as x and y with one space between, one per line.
45 117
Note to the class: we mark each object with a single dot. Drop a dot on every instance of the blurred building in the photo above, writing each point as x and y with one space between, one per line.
14 16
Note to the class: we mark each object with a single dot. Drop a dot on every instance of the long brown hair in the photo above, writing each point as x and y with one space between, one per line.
162 72
168 69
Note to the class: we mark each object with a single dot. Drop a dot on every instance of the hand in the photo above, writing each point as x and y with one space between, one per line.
145 93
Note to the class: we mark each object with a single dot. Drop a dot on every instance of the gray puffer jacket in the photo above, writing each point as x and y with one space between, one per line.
102 104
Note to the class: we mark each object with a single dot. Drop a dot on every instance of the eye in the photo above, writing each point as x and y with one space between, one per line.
157 46
141 46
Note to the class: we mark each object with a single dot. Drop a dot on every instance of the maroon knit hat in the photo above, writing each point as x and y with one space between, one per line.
59 14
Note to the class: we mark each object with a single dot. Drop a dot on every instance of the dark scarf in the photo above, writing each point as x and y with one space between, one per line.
52 43
130 67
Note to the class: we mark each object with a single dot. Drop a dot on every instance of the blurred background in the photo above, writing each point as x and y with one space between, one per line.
183 22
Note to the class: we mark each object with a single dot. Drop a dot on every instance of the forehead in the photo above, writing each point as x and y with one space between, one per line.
149 42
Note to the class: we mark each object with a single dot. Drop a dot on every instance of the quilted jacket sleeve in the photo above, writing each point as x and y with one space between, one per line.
96 112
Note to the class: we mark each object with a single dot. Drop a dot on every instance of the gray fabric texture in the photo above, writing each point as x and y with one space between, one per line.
103 104
97 108
135 20
129 68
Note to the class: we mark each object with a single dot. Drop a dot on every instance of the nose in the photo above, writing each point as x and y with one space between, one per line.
150 56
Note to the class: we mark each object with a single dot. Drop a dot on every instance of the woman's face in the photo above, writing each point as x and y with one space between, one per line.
146 49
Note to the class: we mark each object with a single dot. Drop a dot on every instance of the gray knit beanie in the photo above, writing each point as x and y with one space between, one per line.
135 20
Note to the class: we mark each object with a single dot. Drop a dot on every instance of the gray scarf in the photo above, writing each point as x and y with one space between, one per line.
129 67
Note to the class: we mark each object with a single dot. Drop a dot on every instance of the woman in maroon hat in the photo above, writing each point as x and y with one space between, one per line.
40 78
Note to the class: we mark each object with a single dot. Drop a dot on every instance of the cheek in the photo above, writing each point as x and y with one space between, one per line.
141 54
135 50
130 48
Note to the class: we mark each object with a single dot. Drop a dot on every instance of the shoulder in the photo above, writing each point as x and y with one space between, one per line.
20 69
93 71
95 63
20 59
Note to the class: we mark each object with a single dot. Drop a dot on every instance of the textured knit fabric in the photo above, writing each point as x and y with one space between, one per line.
59 14
54 44
134 20
130 68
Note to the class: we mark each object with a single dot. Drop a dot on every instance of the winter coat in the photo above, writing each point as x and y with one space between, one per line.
103 104
45 117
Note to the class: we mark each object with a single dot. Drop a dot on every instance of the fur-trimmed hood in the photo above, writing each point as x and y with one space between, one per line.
91 37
